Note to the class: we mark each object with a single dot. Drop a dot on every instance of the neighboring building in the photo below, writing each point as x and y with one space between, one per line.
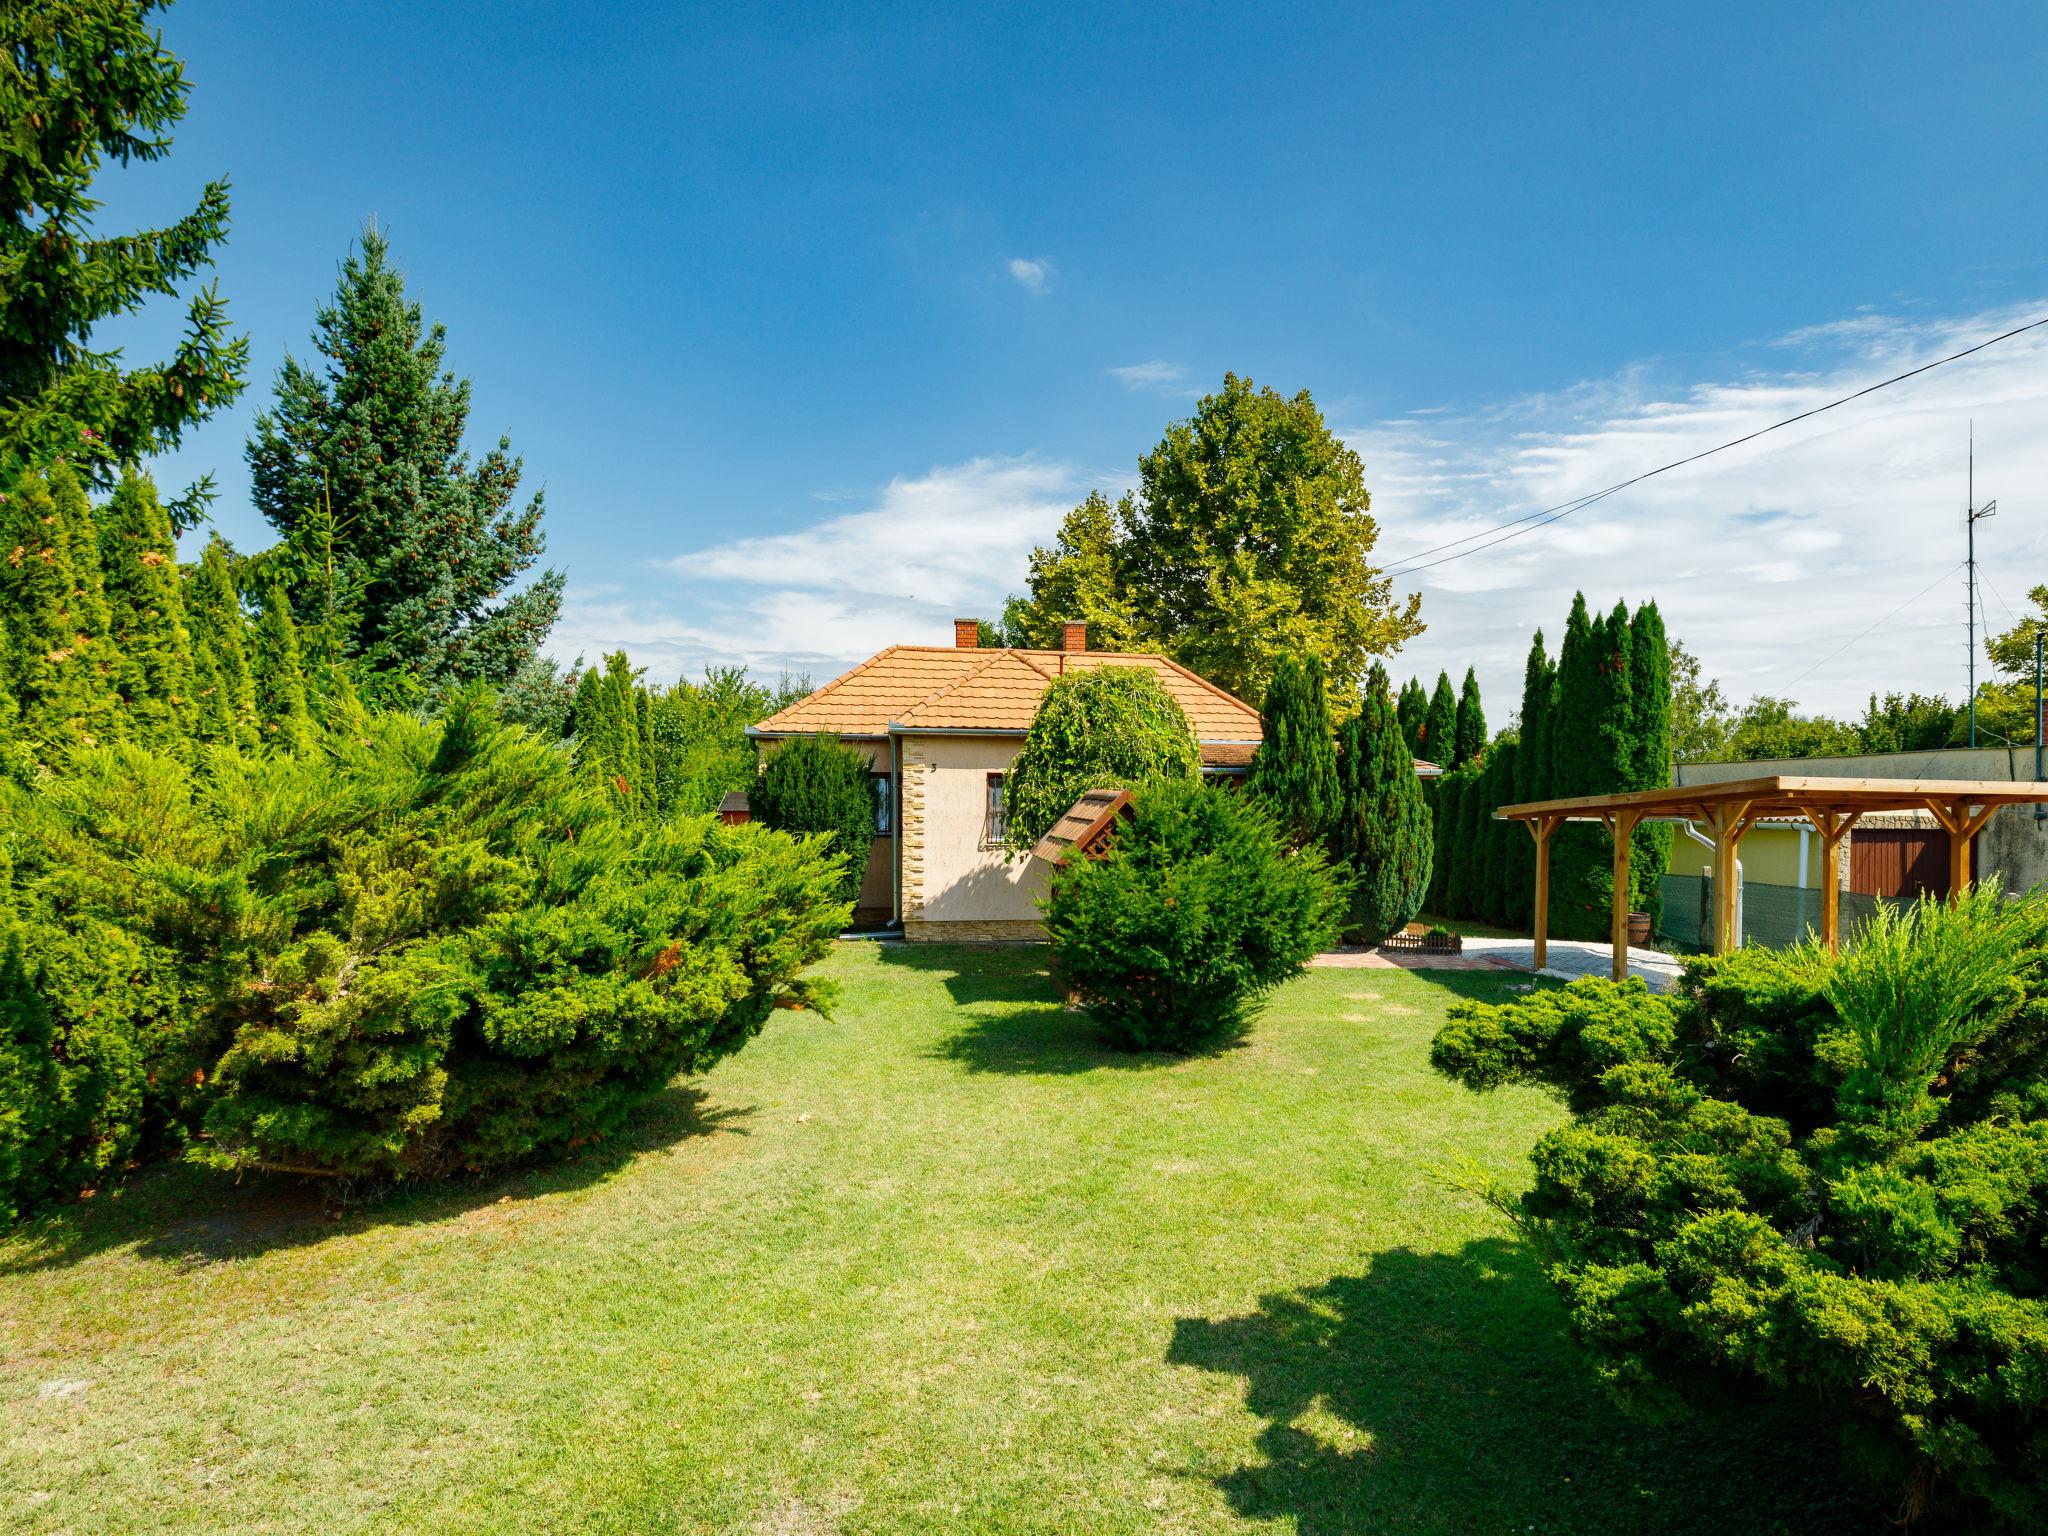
1895 855
940 726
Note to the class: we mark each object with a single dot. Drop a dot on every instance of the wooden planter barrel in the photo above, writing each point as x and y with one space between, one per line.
1639 928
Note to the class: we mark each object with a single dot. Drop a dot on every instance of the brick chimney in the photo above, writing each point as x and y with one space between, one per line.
1074 637
966 634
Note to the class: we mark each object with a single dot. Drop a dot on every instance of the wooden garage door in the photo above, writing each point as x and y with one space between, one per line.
1901 863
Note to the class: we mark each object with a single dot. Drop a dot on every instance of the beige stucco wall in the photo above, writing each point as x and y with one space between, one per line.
948 876
1770 853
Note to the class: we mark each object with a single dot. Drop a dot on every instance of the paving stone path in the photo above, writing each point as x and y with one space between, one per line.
1569 959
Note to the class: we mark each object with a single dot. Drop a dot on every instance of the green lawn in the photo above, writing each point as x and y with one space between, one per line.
942 1265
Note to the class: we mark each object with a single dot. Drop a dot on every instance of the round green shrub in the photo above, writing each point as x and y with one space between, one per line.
817 784
1813 1176
1196 913
1101 728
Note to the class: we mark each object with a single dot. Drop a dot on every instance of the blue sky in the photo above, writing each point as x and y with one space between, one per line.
812 323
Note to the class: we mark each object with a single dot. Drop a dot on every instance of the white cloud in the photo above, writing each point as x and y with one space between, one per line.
1156 374
1764 559
1033 274
950 543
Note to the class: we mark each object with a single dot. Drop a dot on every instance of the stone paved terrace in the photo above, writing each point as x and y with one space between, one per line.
1569 960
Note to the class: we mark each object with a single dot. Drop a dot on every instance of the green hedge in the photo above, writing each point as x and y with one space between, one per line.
818 785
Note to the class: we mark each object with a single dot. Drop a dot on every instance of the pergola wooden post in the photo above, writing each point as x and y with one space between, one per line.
1540 828
1832 826
1733 806
1621 826
1962 821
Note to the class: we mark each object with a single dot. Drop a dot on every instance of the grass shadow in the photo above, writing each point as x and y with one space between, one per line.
1014 1018
181 1214
1439 1392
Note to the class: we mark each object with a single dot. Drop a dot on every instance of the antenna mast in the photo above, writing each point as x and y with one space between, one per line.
1972 515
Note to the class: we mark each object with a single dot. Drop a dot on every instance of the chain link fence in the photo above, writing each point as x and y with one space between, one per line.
1772 915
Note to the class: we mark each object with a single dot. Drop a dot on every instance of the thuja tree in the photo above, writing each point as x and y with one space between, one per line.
1469 732
1532 778
1446 809
283 716
1412 711
85 82
1381 834
1440 725
1294 770
64 672
612 721
1099 728
819 785
1811 1178
146 609
1649 705
224 688
360 465
1591 754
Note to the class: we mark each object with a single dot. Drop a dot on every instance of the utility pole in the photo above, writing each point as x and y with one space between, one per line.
1972 515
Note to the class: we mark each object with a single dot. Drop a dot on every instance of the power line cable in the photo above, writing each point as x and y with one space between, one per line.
1529 522
1909 602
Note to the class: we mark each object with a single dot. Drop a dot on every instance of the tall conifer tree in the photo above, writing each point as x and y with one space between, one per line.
279 671
86 82
1294 771
365 458
146 606
1411 712
1440 725
62 663
223 690
1649 655
1381 831
1532 774
1470 730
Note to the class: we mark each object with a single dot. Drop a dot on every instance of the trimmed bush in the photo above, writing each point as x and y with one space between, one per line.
441 949
817 784
1194 915
1816 1176
1102 728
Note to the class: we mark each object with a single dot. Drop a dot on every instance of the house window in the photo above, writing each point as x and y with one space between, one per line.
880 783
995 825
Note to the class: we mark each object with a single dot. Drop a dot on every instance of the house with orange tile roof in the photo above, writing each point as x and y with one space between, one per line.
939 726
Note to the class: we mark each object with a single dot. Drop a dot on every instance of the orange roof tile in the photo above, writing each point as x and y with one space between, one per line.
941 688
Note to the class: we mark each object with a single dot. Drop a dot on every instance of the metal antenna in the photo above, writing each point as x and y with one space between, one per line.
1973 514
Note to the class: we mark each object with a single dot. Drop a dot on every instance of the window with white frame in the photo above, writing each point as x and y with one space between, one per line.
995 824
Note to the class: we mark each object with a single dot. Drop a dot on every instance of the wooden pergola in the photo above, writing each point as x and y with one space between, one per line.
1728 810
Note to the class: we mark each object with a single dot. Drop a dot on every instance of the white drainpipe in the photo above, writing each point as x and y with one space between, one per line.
1706 842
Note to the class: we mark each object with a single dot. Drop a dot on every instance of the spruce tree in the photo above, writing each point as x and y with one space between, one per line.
1381 832
1440 725
1411 712
279 672
360 466
1470 730
1650 705
223 691
1294 771
146 607
86 82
